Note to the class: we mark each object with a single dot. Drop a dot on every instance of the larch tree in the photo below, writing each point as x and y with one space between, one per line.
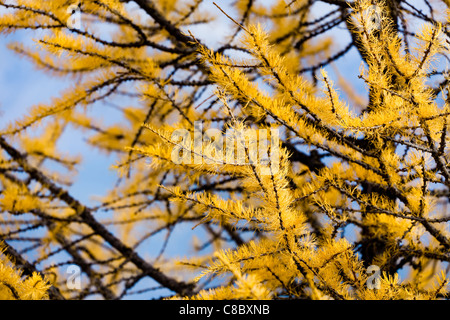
293 185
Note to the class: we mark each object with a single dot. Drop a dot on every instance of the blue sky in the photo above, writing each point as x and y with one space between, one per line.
22 86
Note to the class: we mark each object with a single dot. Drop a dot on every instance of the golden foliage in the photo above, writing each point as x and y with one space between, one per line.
302 164
15 287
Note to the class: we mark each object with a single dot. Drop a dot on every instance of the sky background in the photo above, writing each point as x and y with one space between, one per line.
22 86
